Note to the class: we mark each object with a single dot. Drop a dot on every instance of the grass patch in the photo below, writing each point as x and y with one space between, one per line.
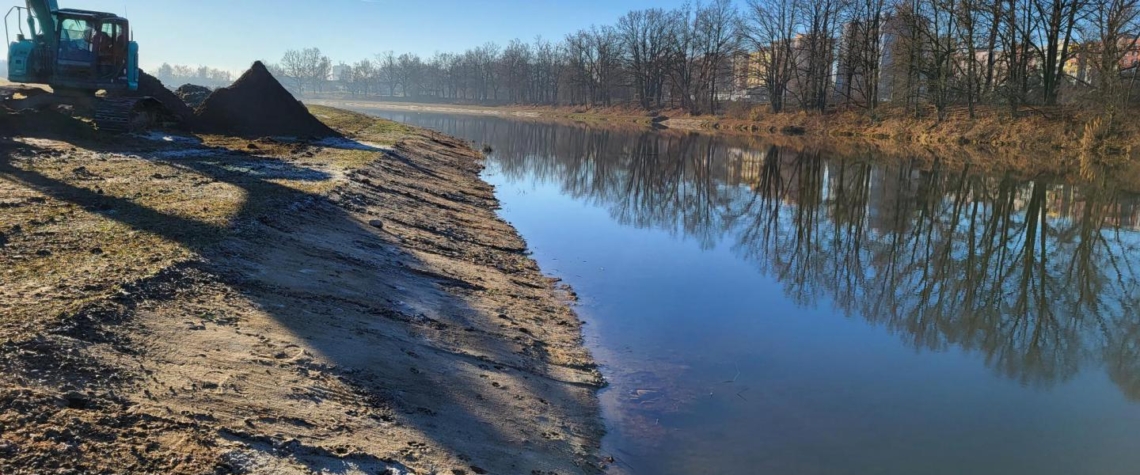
359 126
77 221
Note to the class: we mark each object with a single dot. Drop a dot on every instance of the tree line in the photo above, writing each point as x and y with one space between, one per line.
788 54
176 75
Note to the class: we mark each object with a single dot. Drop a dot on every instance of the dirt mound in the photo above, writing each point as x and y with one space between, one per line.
52 122
258 106
152 87
192 94
34 112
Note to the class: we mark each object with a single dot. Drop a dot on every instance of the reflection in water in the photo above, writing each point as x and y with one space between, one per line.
1038 278
1041 278
1023 272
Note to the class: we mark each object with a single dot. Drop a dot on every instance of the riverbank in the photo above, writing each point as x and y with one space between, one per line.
1053 129
982 145
614 116
1058 128
203 304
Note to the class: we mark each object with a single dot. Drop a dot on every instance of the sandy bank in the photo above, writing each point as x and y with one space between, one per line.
213 305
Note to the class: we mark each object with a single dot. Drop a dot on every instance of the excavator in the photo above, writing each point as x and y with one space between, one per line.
86 58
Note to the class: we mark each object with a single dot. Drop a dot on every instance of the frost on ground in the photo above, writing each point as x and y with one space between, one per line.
163 137
349 144
43 143
189 153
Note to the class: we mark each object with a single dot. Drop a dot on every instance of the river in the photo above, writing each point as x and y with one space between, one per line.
761 309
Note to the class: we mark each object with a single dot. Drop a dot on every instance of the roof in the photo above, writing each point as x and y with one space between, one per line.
90 14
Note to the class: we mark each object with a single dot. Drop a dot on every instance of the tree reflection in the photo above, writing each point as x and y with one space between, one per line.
1040 278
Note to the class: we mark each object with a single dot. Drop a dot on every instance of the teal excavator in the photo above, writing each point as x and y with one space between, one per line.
82 55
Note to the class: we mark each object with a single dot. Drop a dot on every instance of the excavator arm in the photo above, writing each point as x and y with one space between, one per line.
29 57
43 12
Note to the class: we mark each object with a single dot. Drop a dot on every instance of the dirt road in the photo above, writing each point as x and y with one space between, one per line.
211 305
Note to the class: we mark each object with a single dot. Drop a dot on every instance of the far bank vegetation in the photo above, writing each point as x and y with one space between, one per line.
1065 68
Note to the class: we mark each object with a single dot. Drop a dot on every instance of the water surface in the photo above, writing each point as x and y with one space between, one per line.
760 309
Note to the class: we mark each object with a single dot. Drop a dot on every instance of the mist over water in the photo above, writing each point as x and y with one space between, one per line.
760 309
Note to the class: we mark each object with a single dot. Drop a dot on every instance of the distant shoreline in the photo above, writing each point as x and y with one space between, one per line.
1057 128
1060 141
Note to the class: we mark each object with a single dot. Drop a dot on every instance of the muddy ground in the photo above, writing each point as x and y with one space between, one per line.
182 304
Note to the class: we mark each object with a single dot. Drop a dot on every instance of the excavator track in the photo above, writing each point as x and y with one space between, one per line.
114 115
121 115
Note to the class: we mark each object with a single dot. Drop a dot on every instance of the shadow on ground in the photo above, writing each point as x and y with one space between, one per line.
386 337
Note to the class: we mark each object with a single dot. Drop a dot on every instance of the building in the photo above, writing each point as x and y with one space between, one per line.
851 84
749 68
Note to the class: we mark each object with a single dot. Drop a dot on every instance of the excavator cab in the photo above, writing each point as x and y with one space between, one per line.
93 51
72 49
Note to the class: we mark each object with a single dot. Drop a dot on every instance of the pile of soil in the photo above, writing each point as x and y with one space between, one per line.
258 106
150 86
192 94
30 117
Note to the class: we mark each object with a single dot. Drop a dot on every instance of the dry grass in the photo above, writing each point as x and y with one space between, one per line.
1036 130
1052 141
1066 142
593 114
1054 128
359 125
77 220
65 221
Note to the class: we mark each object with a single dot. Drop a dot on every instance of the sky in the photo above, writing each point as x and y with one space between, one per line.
231 34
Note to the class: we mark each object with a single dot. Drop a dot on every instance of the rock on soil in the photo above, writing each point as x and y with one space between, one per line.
192 94
258 106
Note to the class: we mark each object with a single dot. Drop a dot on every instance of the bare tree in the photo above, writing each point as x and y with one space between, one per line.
968 13
817 52
389 70
1058 25
704 40
683 57
1114 27
645 35
771 29
861 54
318 68
294 68
913 54
1017 42
514 70
717 36
346 78
550 62
486 58
363 74
939 48
995 12
595 59
407 73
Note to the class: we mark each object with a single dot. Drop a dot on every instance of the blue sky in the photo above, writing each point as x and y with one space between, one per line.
230 34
